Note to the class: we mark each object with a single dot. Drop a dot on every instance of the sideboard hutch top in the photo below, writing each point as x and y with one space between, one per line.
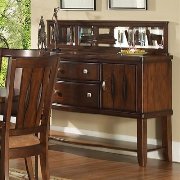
151 36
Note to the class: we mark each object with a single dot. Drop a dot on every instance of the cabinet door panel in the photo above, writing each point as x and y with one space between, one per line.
77 94
130 89
112 85
119 87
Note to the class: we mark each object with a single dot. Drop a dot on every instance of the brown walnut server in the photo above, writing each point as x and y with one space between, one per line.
94 78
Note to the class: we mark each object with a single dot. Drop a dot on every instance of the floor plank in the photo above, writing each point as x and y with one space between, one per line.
82 164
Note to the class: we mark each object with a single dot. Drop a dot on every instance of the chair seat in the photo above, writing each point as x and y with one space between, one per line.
23 141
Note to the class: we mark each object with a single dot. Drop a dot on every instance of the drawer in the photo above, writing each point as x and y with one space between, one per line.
79 71
77 94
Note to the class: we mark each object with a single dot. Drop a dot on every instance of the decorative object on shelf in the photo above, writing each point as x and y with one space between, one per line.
55 33
78 5
128 4
41 35
132 52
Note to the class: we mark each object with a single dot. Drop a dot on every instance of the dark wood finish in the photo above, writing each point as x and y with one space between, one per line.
157 76
124 85
20 140
142 141
131 89
77 94
7 54
79 71
119 92
134 80
167 137
16 53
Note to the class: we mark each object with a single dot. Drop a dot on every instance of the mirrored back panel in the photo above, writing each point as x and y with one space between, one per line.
139 37
148 35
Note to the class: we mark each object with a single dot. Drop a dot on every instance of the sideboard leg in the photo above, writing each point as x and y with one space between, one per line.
167 137
142 141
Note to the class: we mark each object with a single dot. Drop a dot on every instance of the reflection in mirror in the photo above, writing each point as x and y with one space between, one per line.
70 39
139 37
106 37
104 30
66 35
86 36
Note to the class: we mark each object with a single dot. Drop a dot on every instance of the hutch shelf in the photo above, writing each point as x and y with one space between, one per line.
94 78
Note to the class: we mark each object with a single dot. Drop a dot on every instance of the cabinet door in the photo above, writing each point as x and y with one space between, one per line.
119 87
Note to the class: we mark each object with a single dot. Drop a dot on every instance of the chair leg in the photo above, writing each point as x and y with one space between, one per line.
4 169
44 166
29 168
4 162
36 167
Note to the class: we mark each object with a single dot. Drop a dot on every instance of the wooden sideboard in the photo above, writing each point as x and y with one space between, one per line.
94 78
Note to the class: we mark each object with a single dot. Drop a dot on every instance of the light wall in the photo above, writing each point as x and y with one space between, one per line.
158 10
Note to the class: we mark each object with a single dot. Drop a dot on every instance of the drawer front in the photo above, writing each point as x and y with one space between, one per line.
77 94
78 71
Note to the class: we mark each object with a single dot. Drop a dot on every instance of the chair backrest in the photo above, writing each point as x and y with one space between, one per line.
15 53
36 88
18 53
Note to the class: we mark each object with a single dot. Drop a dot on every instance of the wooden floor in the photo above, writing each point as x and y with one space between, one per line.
82 164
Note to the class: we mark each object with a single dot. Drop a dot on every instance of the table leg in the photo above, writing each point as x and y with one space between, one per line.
167 137
142 141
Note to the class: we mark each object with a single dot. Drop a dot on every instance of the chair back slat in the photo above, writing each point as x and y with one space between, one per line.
31 88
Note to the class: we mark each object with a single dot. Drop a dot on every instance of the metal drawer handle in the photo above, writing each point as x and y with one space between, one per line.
61 70
58 93
89 95
85 71
104 85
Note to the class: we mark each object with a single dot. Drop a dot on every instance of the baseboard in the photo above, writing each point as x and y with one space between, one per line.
176 151
153 155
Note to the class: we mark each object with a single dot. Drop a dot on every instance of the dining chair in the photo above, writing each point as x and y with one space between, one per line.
28 135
